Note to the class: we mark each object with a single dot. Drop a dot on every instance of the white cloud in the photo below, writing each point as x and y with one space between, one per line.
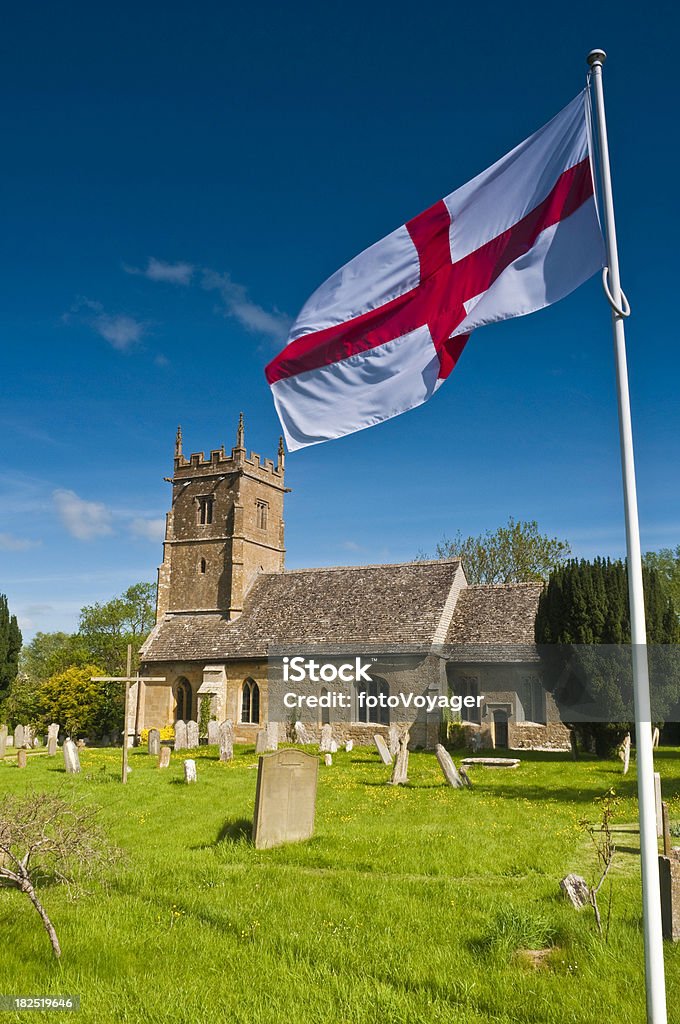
148 529
119 329
84 520
8 542
158 270
254 318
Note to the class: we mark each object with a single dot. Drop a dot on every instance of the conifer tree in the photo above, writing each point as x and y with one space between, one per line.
10 645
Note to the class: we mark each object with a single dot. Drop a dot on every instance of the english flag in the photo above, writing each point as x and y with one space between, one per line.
381 335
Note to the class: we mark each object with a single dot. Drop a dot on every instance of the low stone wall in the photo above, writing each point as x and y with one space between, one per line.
535 736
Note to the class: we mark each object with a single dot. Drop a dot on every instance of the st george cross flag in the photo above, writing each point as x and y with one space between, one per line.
380 335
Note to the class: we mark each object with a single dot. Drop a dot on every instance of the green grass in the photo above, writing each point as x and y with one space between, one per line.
408 905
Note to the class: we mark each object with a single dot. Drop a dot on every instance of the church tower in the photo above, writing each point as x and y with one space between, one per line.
224 527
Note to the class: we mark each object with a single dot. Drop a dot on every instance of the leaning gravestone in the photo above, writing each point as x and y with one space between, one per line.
393 740
261 741
400 771
326 739
71 757
213 732
301 734
21 757
272 731
657 801
448 767
655 737
192 735
180 735
576 891
3 740
154 742
285 804
19 736
669 879
624 753
190 770
164 757
226 740
349 746
385 755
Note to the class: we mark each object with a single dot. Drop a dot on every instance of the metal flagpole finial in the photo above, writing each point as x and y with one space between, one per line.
596 57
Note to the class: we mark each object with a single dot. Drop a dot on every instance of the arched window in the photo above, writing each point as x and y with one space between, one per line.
325 710
374 714
184 697
202 565
250 702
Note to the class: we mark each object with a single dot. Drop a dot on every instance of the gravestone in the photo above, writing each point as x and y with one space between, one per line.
164 757
28 736
328 760
624 753
21 757
301 734
261 741
575 889
285 804
180 735
655 737
669 881
657 801
393 740
326 739
334 747
667 843
385 755
18 736
71 757
349 746
465 777
213 732
52 746
400 770
491 762
154 742
448 767
53 730
3 740
226 740
190 770
272 732
192 734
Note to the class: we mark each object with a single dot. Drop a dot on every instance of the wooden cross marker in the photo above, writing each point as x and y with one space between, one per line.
127 679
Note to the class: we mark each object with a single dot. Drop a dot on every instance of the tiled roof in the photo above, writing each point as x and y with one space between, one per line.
495 622
370 604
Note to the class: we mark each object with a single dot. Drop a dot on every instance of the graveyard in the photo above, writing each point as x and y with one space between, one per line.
415 903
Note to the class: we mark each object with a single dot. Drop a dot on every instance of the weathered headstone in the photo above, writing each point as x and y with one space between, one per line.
385 755
213 732
400 770
657 801
326 739
272 731
667 844
393 740
285 804
490 762
192 735
21 757
669 880
18 736
3 740
164 757
226 740
154 742
448 767
52 746
624 753
180 735
334 747
349 746
29 734
655 737
71 757
301 734
53 730
261 741
465 777
328 760
575 889
190 770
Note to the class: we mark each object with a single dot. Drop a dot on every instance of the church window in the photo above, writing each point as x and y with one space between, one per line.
184 701
377 714
250 702
468 686
262 510
205 509
202 565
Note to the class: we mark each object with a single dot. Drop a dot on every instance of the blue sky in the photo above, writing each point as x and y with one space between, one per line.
179 178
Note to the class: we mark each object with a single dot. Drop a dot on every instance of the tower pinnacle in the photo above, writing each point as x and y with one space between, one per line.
240 433
178 443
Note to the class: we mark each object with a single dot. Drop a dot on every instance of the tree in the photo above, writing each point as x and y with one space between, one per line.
81 706
49 653
10 645
515 553
44 839
107 629
667 563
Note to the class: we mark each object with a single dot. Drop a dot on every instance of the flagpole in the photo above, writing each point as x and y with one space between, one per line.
649 849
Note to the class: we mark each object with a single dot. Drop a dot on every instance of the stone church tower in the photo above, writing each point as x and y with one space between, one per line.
225 526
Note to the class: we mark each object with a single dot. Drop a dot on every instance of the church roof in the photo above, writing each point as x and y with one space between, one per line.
409 603
495 622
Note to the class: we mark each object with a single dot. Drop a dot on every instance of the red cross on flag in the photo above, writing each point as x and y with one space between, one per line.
380 335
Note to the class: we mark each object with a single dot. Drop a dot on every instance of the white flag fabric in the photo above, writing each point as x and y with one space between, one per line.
380 335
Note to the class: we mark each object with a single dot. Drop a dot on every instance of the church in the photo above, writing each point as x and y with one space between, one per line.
227 604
